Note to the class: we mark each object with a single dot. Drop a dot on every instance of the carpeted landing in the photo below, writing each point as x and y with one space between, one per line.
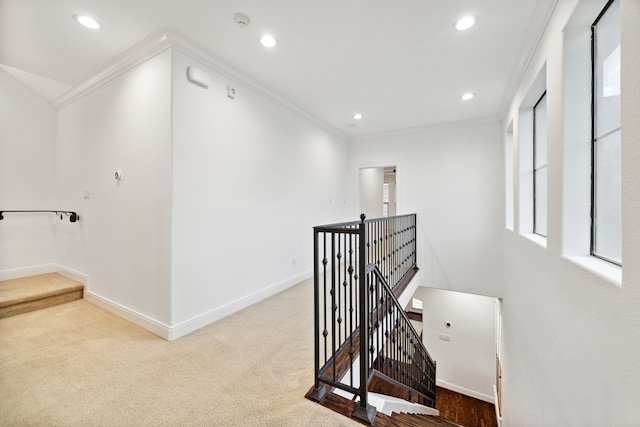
77 365
26 294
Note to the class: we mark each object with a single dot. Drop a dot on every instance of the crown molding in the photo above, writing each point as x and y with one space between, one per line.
535 33
180 44
140 52
158 42
426 128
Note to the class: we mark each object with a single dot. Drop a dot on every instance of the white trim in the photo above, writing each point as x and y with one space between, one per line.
420 129
465 391
408 292
144 50
204 319
191 50
132 316
72 274
161 40
17 273
495 399
389 404
536 238
541 15
398 165
605 270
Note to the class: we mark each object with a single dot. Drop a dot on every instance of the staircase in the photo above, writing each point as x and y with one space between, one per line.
347 406
32 293
364 341
412 420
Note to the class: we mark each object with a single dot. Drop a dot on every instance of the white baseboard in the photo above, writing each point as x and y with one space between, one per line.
204 319
465 391
16 273
167 332
408 293
495 399
151 325
72 274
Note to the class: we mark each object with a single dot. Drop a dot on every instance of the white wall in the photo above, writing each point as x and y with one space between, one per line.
251 179
467 362
124 243
451 176
571 338
27 171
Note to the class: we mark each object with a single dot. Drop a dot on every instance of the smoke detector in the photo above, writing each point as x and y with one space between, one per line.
241 19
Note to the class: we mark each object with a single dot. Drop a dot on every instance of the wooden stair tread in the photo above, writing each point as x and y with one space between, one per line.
424 420
31 293
345 406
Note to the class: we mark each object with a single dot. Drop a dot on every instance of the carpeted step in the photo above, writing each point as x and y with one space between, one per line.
32 293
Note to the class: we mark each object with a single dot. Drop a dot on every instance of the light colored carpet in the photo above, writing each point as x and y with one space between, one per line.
77 365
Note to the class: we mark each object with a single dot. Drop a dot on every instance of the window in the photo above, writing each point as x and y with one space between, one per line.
540 166
531 149
606 196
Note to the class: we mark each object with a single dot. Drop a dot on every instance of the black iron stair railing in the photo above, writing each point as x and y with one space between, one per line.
356 267
73 216
396 349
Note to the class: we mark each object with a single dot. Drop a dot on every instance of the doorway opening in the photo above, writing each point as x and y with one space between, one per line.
378 189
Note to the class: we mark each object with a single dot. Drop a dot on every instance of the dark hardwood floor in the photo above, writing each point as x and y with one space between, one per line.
465 410
455 410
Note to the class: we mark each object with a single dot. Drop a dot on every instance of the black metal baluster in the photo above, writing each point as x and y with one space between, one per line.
363 411
325 332
333 302
378 232
378 307
336 268
344 285
351 329
385 254
316 313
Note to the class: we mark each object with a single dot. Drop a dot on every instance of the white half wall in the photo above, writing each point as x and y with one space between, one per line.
27 178
250 180
451 176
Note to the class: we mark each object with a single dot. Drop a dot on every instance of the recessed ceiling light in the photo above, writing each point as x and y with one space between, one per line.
268 40
467 96
465 22
357 116
87 21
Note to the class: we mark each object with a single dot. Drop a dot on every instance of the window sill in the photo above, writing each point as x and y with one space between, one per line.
536 238
609 272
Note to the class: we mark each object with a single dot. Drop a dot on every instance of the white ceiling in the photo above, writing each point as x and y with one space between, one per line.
400 63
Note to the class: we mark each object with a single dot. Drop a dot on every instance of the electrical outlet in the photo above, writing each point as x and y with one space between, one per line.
293 262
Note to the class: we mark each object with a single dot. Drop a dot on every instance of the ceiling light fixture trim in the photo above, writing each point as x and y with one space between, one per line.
87 21
468 96
466 22
268 40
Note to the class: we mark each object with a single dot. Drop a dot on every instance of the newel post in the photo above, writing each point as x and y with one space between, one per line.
364 411
318 392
